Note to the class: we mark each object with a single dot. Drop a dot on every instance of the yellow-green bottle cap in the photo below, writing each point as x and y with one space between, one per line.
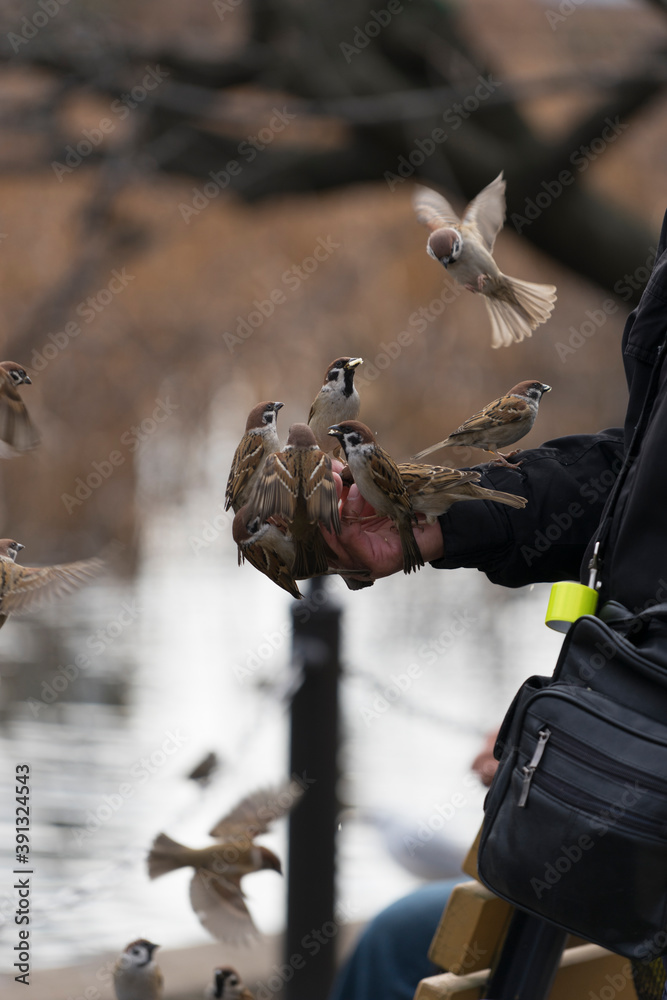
569 601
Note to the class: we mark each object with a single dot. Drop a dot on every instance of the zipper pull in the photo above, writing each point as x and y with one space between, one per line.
531 767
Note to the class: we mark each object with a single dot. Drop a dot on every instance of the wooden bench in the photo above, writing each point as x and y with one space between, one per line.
469 939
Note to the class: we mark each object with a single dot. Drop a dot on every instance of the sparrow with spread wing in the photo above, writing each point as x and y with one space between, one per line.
136 975
380 484
499 424
260 439
297 484
227 985
24 589
215 889
17 431
465 247
433 489
337 400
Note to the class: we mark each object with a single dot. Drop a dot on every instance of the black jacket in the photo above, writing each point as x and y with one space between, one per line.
567 482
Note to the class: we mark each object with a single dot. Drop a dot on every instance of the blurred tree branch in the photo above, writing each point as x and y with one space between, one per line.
381 98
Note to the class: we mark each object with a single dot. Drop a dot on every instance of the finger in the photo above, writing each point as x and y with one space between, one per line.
355 503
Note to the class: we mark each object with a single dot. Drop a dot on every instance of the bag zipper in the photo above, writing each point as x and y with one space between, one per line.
559 787
608 764
529 768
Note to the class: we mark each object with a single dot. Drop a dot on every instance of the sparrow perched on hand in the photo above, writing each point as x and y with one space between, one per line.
27 588
465 246
267 548
433 489
380 484
259 440
227 985
215 889
337 400
297 484
17 431
502 422
136 976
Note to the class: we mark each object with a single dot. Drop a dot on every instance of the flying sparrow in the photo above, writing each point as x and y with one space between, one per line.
17 432
380 484
27 588
297 484
337 400
259 440
267 548
227 985
433 489
215 890
499 424
136 976
465 247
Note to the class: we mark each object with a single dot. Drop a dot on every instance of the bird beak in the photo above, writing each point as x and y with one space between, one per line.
19 546
27 380
334 431
152 948
444 261
354 362
277 406
546 388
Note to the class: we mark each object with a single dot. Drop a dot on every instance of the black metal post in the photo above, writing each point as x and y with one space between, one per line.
311 929
529 960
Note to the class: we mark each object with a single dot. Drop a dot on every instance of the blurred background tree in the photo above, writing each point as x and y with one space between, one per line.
202 150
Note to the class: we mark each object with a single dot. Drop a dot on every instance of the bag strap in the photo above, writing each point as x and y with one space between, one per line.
606 519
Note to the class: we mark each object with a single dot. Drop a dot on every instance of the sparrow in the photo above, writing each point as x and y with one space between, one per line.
267 548
215 890
336 401
259 440
205 769
380 484
297 484
136 976
433 489
499 424
227 985
27 588
17 431
465 246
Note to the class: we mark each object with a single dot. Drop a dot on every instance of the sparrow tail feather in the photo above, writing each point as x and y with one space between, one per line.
412 557
166 855
520 310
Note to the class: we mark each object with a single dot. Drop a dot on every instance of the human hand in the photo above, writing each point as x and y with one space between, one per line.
374 545
485 764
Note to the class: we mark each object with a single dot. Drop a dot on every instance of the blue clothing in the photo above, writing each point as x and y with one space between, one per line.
391 955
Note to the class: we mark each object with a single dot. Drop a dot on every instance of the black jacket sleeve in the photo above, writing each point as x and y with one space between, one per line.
566 482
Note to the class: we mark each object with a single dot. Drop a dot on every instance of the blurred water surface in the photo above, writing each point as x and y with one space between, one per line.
194 655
